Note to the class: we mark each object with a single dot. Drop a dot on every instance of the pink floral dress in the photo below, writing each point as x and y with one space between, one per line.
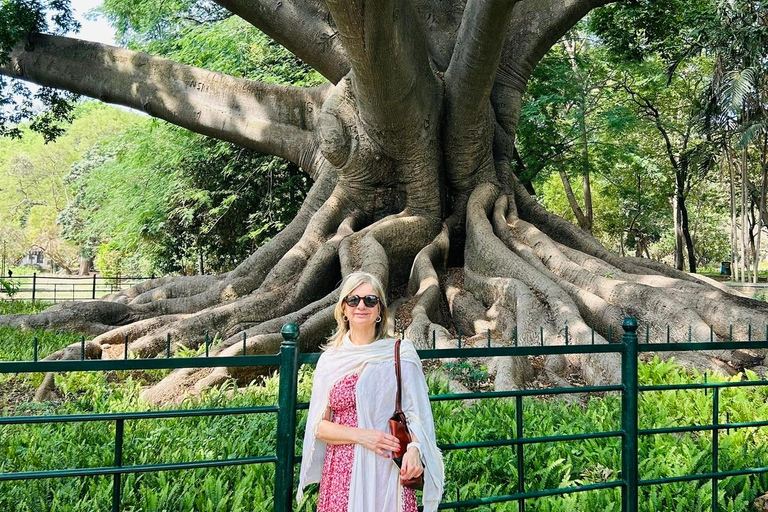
337 466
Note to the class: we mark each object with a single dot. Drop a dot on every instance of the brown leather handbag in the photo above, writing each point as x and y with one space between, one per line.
399 427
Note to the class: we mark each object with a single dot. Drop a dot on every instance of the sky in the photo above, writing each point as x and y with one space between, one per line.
91 30
97 30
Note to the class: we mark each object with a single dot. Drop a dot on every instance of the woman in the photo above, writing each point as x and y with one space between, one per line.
347 443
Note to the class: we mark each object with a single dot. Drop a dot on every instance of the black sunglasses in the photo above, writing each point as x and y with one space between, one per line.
369 300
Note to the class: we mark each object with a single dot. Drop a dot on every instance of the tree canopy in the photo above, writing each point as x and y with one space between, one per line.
32 180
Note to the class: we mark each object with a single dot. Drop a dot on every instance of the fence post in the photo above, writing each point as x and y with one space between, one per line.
93 288
117 478
520 454
629 395
286 418
34 285
715 446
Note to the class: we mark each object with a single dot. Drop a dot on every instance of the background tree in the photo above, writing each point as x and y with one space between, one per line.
732 36
32 173
161 200
577 112
738 37
574 123
409 145
674 106
563 111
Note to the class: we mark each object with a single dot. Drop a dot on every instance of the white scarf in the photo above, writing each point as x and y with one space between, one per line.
375 485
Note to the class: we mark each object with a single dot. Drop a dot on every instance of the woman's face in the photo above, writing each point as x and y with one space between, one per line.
361 316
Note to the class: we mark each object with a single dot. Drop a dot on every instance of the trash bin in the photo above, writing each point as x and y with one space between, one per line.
725 268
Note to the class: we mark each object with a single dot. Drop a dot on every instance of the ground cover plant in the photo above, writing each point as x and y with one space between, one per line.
469 473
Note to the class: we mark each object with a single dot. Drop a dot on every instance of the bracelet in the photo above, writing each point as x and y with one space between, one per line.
415 445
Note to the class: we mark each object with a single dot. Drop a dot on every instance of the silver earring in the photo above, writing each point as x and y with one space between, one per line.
345 318
378 319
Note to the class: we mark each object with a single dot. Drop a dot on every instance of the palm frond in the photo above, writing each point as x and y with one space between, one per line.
750 133
739 84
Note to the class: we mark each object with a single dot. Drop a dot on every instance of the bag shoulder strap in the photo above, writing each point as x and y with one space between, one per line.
398 399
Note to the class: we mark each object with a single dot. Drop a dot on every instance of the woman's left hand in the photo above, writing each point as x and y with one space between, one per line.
411 466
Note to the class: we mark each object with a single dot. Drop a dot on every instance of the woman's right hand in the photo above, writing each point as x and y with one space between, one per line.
378 442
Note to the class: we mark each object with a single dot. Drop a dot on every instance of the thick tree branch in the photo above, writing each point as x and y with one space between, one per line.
476 56
392 79
468 82
535 27
302 27
440 21
272 119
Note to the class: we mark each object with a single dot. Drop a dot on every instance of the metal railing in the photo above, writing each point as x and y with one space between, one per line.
290 360
285 423
51 288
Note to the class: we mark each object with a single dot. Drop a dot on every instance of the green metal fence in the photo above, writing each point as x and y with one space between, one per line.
58 288
286 417
289 360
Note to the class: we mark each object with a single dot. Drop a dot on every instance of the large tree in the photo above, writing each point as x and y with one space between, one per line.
410 147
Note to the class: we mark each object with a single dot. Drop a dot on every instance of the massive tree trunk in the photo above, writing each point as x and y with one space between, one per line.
410 147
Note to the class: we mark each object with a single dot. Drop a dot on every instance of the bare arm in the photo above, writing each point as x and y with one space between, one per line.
377 441
380 443
412 466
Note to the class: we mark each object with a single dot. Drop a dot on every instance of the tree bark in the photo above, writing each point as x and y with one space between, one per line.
587 190
410 150
761 205
85 266
678 221
744 219
734 240
302 27
273 119
582 219
684 223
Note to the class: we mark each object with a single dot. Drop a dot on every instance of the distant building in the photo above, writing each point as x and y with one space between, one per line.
34 258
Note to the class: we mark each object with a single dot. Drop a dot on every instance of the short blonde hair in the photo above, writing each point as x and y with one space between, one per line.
351 282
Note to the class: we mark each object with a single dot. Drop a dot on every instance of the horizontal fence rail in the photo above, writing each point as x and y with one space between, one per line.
54 288
289 360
